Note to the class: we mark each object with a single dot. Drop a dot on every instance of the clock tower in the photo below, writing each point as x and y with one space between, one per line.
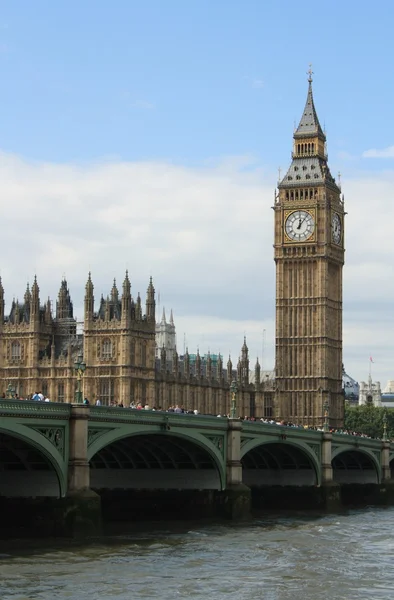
309 256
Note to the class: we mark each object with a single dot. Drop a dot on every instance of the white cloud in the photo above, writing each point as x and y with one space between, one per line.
257 83
383 153
205 235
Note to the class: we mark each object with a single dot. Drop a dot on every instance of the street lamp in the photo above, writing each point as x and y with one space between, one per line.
79 367
326 427
385 426
233 392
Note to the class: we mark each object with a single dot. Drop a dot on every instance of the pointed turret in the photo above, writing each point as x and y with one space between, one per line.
138 309
209 366
163 359
309 125
171 318
229 370
163 318
186 364
126 298
243 364
198 364
35 301
257 373
114 292
1 303
150 303
309 166
48 312
175 364
219 373
27 296
89 299
64 306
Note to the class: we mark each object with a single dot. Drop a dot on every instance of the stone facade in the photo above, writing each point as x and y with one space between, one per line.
118 346
309 256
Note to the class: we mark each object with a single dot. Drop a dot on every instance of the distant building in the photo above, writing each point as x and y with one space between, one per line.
388 394
166 336
351 388
370 393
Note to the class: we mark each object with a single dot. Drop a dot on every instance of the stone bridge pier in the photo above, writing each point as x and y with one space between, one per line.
82 506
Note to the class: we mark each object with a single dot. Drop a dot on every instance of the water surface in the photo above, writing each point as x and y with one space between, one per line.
348 556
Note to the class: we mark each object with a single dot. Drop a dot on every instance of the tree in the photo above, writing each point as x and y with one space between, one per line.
368 419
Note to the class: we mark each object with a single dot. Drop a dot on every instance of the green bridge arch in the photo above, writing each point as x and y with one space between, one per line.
215 450
39 442
289 443
354 450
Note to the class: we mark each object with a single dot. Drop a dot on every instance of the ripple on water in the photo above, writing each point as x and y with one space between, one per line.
348 557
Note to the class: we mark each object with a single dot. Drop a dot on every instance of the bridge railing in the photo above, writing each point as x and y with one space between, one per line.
34 408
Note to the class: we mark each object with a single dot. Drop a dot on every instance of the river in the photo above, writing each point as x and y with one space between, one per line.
308 557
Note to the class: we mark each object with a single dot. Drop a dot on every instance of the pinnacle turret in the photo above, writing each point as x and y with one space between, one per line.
309 125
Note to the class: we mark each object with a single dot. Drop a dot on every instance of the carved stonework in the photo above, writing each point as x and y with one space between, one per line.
94 434
217 441
316 450
55 435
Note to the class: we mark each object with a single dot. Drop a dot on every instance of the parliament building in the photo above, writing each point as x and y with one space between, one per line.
131 358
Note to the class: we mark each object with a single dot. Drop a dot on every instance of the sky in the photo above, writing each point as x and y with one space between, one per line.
148 135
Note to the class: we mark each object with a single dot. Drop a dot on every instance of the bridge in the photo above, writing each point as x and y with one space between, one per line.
74 454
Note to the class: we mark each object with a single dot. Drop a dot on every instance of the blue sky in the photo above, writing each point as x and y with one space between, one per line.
148 135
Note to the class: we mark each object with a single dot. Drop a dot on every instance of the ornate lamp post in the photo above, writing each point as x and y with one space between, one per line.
326 427
79 367
384 426
233 392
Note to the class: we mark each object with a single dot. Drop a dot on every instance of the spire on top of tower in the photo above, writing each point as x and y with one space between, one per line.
309 124
163 318
171 318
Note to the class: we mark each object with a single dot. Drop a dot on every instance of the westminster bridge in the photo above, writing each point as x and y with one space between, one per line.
73 451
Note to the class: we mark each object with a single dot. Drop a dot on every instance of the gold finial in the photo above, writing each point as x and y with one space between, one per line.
310 73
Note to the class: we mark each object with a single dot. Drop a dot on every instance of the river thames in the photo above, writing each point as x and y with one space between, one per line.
348 556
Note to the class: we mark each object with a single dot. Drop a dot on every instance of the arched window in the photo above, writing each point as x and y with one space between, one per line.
106 349
143 355
15 351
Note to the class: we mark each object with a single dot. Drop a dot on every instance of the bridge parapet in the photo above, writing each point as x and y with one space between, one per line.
25 408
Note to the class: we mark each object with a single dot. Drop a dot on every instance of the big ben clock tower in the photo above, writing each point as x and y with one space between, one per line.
309 256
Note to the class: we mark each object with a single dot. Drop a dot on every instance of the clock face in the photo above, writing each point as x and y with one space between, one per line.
336 226
299 225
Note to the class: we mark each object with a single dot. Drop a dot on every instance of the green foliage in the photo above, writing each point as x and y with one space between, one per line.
368 419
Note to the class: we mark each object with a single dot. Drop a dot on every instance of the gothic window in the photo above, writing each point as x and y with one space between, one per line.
298 176
304 168
268 405
44 388
290 178
307 176
312 167
313 147
106 349
132 392
132 352
316 176
295 168
15 351
60 392
106 391
143 392
252 404
143 355
287 195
